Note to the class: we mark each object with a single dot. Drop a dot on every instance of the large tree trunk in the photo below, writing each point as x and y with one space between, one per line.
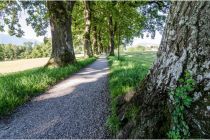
111 36
101 49
60 22
95 39
119 41
87 45
185 46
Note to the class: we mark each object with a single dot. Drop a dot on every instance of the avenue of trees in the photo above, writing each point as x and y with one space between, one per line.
173 99
100 26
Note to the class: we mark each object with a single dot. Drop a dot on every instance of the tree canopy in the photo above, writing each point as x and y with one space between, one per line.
109 23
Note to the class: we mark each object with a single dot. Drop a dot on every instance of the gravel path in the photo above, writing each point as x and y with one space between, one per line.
74 108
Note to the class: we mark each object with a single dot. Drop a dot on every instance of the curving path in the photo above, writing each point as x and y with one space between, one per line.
74 108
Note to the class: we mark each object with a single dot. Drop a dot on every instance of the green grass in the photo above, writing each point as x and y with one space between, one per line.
125 75
17 88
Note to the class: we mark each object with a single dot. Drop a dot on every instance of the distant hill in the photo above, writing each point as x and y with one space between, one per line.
7 39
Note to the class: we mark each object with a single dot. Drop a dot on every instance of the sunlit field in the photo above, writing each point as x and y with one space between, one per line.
24 64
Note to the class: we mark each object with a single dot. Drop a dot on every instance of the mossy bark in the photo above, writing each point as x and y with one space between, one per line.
101 48
185 46
111 36
87 45
62 43
95 40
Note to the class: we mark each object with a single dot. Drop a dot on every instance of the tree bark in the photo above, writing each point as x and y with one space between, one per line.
111 36
101 49
118 48
62 43
95 39
185 46
87 44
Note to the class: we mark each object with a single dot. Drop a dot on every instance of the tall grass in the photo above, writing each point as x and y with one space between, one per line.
17 88
125 75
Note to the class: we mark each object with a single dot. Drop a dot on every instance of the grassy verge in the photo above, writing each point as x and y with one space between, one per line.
17 88
125 75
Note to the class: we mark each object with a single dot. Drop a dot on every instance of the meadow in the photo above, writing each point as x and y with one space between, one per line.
12 66
21 65
125 75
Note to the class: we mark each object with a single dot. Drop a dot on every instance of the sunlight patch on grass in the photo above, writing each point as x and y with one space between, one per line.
125 75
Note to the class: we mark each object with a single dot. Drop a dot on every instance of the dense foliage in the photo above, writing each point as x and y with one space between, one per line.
122 20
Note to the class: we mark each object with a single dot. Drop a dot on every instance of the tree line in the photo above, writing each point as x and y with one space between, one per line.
25 51
100 26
